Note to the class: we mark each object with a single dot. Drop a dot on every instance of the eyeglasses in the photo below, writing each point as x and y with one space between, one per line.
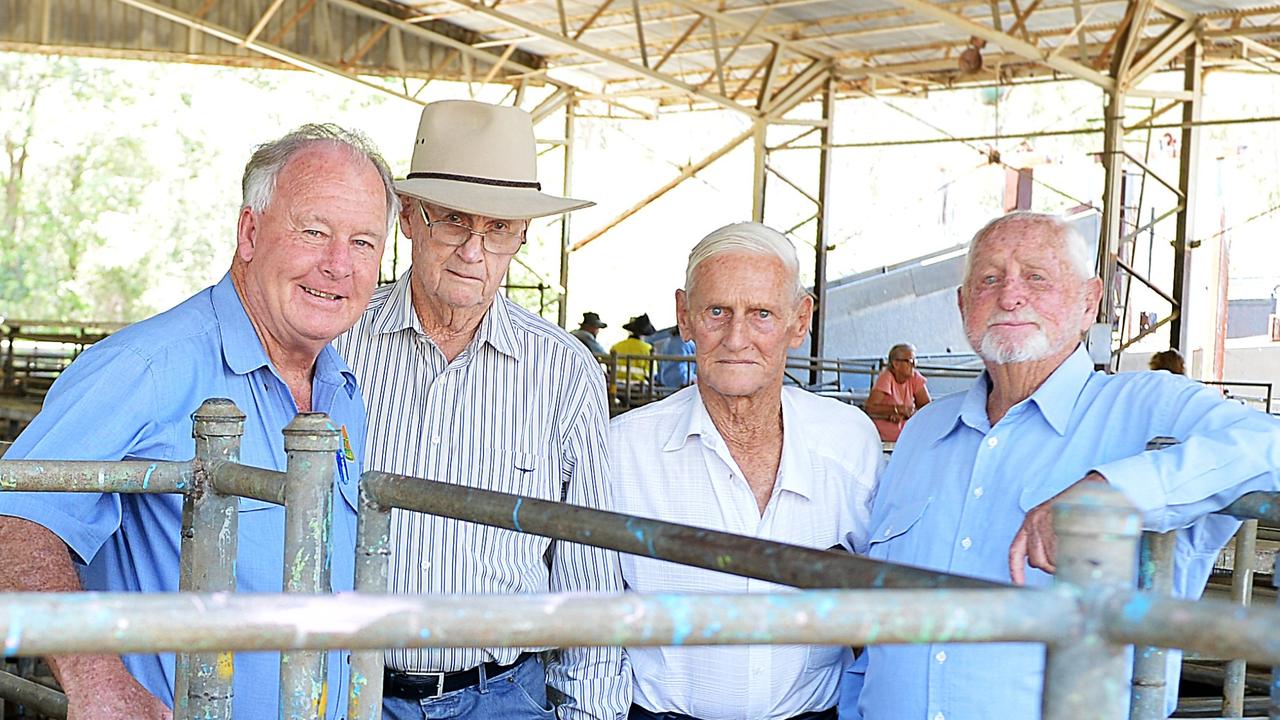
910 361
498 242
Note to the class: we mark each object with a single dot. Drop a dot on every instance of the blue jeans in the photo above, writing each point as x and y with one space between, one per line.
518 694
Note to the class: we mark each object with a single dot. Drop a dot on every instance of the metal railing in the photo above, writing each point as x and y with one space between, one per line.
1086 619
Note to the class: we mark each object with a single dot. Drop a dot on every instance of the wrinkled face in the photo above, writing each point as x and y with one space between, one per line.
903 365
458 277
309 261
743 316
1022 301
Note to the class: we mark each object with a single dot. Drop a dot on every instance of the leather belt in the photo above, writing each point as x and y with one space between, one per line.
430 685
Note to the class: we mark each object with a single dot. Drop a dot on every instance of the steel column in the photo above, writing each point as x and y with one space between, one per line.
1097 533
1155 574
562 312
1242 593
203 681
1112 204
1273 709
817 341
373 559
760 150
1188 166
311 443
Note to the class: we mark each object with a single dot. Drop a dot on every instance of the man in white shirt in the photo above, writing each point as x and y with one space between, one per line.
739 453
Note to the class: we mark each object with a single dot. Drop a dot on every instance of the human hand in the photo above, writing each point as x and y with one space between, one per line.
1036 544
100 688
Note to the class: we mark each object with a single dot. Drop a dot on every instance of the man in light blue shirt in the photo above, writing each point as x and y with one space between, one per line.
318 205
973 475
676 373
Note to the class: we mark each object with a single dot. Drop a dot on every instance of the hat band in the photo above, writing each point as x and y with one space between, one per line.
475 180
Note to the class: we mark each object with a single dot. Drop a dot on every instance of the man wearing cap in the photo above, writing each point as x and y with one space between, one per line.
587 331
465 386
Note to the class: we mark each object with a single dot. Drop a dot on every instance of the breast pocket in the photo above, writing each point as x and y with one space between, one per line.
896 520
260 551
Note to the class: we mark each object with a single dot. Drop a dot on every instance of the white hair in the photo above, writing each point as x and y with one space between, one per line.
258 184
749 237
1077 251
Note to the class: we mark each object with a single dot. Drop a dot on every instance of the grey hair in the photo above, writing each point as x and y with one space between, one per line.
901 346
746 237
1077 251
258 185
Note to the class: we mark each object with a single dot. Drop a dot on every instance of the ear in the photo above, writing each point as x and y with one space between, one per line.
1092 297
246 234
682 321
804 319
960 300
407 210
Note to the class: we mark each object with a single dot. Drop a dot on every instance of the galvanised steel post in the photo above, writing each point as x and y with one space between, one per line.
1097 533
373 560
202 681
1242 593
1273 711
1155 574
311 443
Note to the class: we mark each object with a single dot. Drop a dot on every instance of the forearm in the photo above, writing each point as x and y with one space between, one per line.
36 560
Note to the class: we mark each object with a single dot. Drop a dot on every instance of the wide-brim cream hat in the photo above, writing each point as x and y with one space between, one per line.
480 159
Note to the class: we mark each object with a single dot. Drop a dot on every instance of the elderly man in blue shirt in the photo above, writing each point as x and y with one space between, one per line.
318 206
971 482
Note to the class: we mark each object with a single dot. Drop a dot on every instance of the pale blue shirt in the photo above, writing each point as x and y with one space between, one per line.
131 396
957 489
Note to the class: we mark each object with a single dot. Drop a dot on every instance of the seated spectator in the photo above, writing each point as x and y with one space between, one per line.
587 331
630 367
898 393
1170 360
676 373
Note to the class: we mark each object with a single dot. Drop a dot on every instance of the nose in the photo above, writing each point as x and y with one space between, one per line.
472 251
736 338
1013 293
336 261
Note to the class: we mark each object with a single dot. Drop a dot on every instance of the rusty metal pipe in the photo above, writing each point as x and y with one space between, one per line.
51 623
129 476
735 554
36 697
373 560
231 478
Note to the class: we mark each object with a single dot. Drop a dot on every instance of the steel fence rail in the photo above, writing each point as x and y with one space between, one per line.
34 696
128 476
698 547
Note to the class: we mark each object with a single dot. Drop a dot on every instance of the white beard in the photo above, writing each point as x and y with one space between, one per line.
1035 347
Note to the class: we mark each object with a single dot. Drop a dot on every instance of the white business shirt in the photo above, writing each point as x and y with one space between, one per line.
521 410
669 463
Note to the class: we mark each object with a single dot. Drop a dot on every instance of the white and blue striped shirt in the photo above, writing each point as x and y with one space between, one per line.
521 410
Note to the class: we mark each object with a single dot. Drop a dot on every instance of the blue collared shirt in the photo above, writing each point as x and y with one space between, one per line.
131 396
676 373
957 489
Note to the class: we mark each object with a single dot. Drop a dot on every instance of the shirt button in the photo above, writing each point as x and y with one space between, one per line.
426 566
941 656
887 531
966 543
938 717
435 439
993 441
977 492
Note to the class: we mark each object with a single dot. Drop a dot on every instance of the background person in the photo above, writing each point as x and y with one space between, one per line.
899 391
631 367
1170 360
318 205
587 331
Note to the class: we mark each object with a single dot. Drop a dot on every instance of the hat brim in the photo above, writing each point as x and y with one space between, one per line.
489 200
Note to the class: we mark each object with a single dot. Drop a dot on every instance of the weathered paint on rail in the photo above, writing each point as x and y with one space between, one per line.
130 476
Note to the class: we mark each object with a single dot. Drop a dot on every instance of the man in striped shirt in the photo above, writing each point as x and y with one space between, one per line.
464 386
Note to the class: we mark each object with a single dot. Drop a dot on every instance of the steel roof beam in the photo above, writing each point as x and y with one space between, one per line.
583 48
1009 43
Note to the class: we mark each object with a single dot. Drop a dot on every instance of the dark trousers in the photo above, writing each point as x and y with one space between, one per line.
639 713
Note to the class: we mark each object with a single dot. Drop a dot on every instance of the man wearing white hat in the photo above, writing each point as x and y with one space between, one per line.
465 386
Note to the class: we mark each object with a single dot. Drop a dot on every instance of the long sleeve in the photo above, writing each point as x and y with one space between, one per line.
596 681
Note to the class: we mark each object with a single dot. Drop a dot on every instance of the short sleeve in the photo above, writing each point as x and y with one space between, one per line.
102 407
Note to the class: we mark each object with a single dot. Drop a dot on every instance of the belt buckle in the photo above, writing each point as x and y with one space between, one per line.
439 676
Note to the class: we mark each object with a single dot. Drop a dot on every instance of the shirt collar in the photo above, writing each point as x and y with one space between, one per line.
1055 398
242 348
793 467
397 314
